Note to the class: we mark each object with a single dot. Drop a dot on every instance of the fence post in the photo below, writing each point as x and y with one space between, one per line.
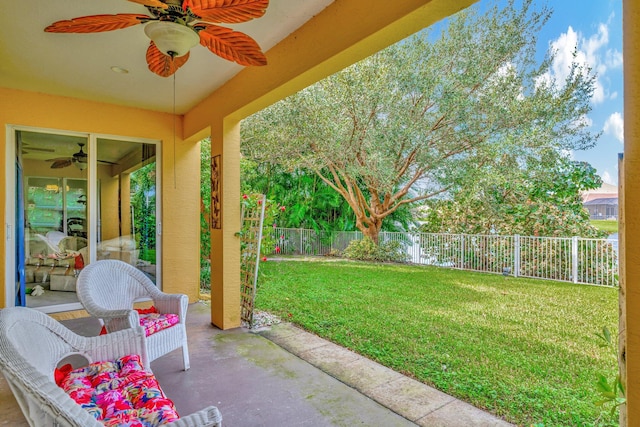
574 258
516 255
301 240
331 235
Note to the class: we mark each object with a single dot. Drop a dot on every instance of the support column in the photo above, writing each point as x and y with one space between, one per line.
225 245
622 320
630 212
125 204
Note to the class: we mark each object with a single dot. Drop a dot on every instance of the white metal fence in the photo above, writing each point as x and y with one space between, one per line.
572 259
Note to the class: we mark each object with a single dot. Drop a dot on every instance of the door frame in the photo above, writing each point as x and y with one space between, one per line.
92 205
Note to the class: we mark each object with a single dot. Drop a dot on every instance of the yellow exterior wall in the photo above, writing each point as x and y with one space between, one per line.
180 195
630 208
181 219
125 204
109 224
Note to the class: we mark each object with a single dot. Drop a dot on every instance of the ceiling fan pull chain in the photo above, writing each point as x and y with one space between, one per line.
175 185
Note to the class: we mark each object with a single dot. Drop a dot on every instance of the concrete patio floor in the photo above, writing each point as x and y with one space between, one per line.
283 376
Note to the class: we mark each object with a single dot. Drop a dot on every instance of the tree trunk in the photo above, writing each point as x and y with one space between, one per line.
371 230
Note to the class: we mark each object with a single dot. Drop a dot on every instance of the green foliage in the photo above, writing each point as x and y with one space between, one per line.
612 392
205 277
252 204
367 250
310 202
364 249
522 349
143 201
438 111
540 198
205 209
273 211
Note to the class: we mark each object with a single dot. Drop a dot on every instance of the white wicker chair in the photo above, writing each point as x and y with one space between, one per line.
31 346
108 288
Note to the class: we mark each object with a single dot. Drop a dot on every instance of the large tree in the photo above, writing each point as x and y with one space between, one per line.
309 201
428 114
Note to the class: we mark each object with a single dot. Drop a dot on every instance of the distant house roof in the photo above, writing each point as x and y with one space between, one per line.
605 191
602 201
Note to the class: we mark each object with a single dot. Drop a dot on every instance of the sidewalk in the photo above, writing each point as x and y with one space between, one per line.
421 404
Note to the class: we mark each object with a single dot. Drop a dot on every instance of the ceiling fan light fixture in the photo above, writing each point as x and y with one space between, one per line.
80 158
80 165
171 38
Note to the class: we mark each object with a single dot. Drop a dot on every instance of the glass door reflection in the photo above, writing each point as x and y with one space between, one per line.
127 203
53 242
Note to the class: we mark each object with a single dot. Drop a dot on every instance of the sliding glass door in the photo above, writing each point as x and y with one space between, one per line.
127 204
79 198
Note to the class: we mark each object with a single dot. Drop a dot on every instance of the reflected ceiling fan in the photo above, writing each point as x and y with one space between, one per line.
78 159
175 26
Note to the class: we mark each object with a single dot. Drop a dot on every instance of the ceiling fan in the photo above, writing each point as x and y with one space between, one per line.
78 159
175 26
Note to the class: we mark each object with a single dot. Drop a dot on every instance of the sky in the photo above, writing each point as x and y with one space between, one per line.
594 27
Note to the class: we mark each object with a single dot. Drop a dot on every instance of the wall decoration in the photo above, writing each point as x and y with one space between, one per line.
216 207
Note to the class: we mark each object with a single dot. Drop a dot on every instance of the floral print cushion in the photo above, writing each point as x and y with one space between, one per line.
119 393
152 321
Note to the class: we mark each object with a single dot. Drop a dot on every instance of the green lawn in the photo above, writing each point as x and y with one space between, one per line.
608 225
522 349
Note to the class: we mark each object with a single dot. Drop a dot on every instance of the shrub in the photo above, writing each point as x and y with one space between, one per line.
333 253
367 250
364 249
393 251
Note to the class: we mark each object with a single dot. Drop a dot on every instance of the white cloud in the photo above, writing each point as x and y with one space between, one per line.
587 52
613 59
611 177
615 126
608 179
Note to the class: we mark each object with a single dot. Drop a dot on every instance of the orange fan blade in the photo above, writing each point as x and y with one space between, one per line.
151 3
161 64
231 45
227 11
97 23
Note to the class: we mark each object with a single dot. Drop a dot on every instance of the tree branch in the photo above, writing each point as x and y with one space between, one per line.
395 207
